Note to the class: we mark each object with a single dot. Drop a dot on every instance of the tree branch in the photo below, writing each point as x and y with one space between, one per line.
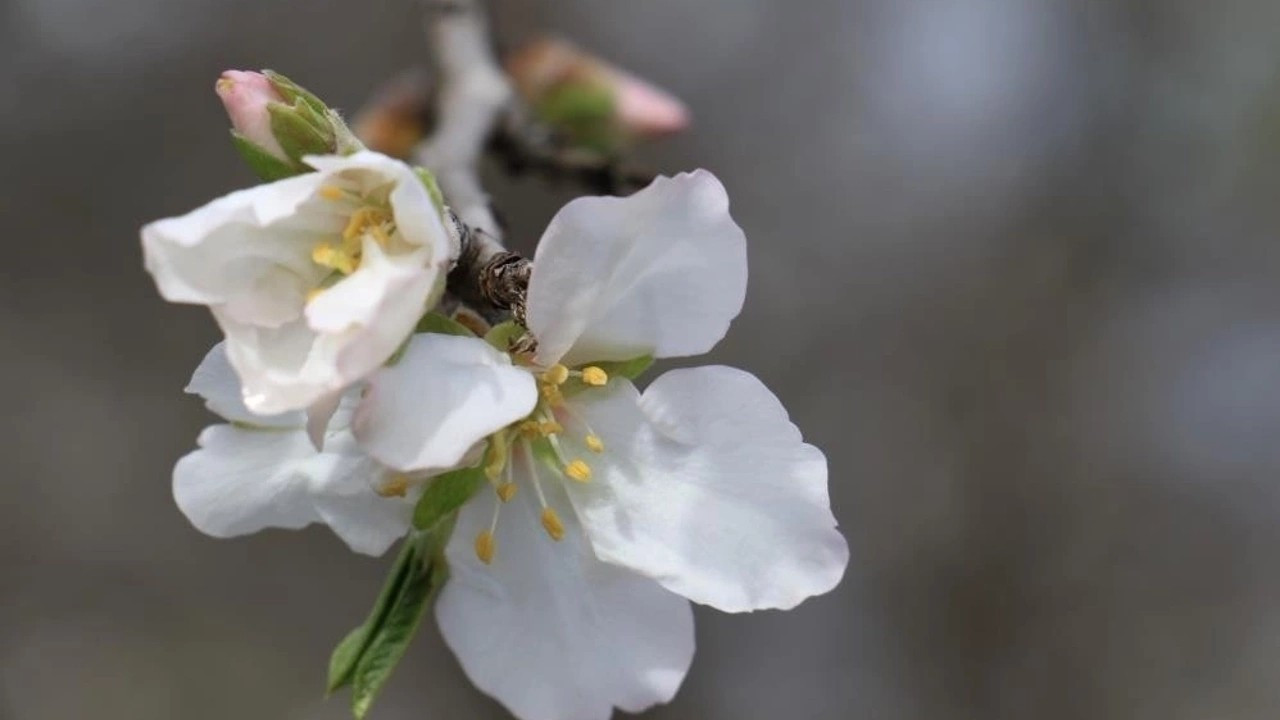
473 92
526 145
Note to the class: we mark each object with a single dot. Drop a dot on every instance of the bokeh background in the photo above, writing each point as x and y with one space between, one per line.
1013 267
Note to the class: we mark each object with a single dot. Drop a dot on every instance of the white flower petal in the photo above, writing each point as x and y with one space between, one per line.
216 381
707 487
343 484
238 247
319 415
282 368
445 394
549 630
661 272
367 315
241 481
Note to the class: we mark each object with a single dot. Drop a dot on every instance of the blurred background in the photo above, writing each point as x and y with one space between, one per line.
1013 267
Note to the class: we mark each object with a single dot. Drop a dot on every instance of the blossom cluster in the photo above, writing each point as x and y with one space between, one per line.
592 511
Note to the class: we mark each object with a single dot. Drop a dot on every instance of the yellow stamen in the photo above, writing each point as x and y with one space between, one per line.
506 491
578 470
314 293
486 546
594 442
556 374
593 375
327 255
331 192
395 486
551 523
552 395
364 222
496 459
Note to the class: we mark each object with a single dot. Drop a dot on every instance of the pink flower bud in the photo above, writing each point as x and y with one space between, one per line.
640 109
647 110
246 95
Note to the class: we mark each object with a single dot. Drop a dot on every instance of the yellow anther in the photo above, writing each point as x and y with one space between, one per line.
327 255
578 470
395 486
314 293
551 523
367 220
486 546
556 374
331 192
551 394
593 375
594 442
540 428
506 491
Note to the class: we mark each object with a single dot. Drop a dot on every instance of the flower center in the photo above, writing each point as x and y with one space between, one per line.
539 441
369 220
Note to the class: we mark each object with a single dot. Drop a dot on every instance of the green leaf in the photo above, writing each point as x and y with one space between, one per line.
297 135
434 322
629 369
433 189
445 494
345 656
387 645
266 166
503 334
342 664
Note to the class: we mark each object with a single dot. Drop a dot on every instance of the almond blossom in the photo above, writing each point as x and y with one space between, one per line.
611 508
315 280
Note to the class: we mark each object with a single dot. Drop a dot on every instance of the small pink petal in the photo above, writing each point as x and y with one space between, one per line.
647 110
245 95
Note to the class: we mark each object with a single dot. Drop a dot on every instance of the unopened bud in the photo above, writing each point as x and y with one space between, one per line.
597 104
276 123
246 95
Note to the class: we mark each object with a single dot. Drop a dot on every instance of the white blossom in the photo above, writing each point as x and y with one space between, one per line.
610 507
315 280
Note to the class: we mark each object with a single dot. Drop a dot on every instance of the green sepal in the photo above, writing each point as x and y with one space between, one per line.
433 189
293 92
585 112
342 664
502 335
434 322
445 494
629 369
426 574
298 134
266 166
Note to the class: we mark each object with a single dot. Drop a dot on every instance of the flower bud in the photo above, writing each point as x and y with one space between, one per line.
246 95
277 123
597 105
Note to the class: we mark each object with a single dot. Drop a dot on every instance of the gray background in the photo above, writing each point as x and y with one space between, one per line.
1013 267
